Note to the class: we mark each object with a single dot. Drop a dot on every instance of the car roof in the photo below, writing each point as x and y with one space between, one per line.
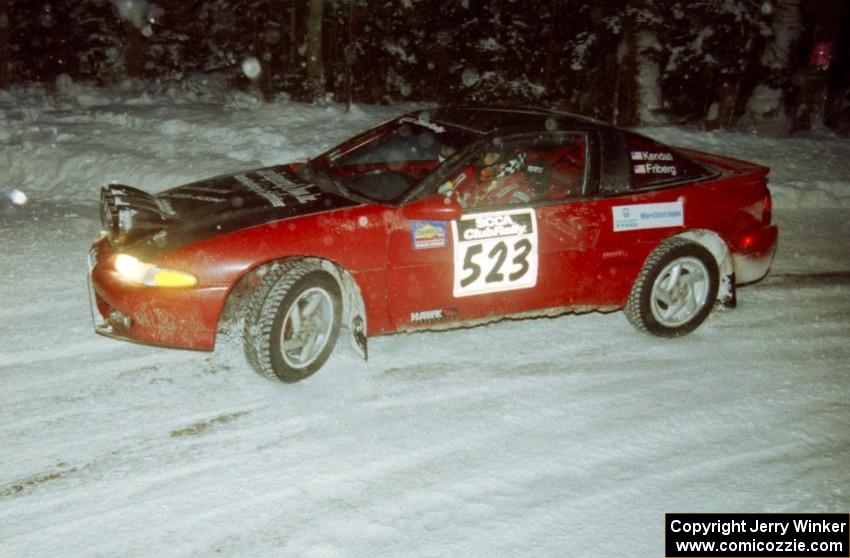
485 120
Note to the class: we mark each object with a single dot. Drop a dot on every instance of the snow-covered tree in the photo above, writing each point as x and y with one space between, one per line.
5 74
639 54
315 61
766 100
254 43
99 49
625 61
40 47
711 52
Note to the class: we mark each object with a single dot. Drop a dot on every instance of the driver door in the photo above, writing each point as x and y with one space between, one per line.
460 265
452 263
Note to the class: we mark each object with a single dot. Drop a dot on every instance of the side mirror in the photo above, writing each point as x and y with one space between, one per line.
436 207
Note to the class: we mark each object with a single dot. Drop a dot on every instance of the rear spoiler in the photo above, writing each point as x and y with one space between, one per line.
728 163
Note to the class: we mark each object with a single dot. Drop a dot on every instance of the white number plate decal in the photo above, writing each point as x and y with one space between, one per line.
495 252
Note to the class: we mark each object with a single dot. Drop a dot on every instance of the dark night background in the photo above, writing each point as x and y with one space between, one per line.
704 59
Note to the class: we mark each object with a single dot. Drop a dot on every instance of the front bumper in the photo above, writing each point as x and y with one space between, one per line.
184 318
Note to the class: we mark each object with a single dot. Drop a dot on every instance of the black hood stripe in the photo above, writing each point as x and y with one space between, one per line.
229 203
288 188
193 197
249 183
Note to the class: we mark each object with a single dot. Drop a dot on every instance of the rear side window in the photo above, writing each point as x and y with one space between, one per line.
653 164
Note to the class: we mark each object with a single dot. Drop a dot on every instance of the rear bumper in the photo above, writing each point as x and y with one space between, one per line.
753 253
184 318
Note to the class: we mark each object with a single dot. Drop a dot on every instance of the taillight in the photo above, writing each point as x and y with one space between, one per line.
746 242
767 210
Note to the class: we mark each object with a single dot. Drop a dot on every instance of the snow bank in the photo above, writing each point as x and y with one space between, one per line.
554 437
67 142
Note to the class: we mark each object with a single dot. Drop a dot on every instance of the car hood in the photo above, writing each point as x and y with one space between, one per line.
146 223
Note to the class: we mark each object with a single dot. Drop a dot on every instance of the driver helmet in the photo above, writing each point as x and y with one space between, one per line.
495 165
446 151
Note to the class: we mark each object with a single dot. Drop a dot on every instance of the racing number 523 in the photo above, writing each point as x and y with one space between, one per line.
496 258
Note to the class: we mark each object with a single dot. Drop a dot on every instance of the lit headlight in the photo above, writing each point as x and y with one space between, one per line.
135 271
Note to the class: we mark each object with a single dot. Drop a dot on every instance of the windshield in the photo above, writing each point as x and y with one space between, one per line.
385 163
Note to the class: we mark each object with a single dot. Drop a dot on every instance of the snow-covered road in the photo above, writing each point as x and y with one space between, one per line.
553 437
567 436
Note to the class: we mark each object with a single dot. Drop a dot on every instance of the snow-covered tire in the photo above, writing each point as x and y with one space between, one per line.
292 321
675 290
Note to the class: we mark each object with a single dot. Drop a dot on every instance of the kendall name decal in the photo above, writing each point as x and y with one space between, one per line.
651 156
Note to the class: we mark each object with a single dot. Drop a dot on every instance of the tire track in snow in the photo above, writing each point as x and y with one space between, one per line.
50 354
790 280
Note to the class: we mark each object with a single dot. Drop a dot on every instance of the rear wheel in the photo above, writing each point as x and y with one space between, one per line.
675 291
292 322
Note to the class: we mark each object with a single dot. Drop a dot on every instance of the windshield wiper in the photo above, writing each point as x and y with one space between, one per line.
325 180
321 178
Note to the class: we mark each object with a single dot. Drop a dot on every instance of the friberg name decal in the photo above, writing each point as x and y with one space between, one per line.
652 168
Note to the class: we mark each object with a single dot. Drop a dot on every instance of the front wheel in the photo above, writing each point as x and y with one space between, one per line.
293 322
675 291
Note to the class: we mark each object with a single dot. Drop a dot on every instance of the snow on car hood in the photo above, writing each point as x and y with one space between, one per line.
218 205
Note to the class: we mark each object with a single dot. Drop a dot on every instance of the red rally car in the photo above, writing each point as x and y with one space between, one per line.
439 218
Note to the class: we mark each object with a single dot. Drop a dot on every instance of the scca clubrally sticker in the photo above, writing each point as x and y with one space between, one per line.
495 252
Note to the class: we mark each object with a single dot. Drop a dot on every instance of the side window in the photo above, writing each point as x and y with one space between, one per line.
528 170
653 164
